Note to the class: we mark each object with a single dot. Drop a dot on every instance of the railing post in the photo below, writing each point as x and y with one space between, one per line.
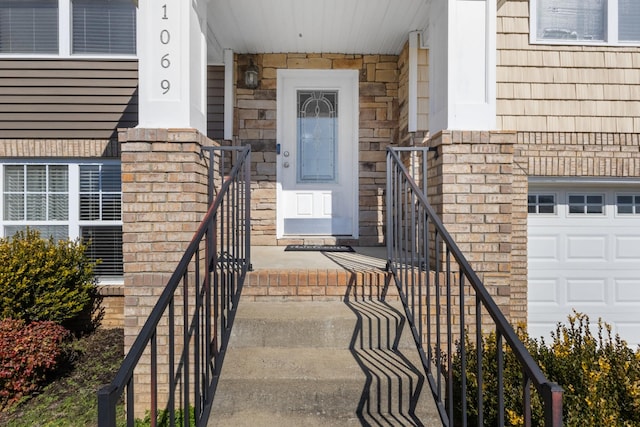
552 397
107 406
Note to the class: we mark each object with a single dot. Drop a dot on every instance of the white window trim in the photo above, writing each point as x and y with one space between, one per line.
611 30
65 40
74 223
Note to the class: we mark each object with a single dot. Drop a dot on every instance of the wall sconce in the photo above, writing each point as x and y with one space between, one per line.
251 76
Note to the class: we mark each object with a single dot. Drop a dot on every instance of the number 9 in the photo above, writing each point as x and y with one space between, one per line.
165 85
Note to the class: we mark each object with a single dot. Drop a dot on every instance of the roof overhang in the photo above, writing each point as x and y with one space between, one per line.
312 26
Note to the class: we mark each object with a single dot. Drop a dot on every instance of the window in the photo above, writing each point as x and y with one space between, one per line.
628 204
107 26
585 21
68 27
29 26
67 201
586 204
542 203
37 196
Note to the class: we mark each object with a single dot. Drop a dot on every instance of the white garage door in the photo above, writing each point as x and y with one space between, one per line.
584 254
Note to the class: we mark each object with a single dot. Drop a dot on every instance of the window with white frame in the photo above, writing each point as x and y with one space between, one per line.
68 27
628 204
541 203
67 201
585 21
586 204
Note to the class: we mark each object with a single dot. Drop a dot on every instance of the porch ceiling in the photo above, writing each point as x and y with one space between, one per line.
313 26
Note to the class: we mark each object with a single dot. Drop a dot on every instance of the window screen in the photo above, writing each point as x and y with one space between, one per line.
29 26
571 19
106 26
629 20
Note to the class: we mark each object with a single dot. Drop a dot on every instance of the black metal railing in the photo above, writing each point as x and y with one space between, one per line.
448 306
174 364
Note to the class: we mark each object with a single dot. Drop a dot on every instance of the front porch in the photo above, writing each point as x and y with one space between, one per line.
424 282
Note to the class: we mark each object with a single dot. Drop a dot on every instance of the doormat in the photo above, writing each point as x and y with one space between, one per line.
319 248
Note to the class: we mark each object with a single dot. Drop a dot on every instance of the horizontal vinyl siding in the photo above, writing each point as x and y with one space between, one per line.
67 98
555 88
215 102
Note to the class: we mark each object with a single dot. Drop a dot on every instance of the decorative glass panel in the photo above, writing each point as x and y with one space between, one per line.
317 136
107 26
571 19
29 26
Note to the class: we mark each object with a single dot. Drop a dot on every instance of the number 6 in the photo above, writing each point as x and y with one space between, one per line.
164 62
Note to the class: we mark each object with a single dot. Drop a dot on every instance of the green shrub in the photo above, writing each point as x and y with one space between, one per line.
45 280
28 355
600 376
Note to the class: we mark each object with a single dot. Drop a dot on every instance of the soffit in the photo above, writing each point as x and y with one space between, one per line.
313 26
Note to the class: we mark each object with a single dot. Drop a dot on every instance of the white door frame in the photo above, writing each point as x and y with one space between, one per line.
321 79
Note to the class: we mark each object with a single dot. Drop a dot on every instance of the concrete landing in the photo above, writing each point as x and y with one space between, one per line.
276 258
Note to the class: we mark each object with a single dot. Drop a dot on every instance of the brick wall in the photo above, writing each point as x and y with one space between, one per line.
471 188
164 191
378 127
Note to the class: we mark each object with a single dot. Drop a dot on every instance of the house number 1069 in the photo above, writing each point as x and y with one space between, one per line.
165 62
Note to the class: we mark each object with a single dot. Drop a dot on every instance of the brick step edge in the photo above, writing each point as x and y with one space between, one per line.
318 284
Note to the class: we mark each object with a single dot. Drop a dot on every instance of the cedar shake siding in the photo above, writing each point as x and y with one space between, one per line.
67 99
215 102
563 88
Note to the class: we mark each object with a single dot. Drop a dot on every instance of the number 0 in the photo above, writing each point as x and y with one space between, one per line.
165 36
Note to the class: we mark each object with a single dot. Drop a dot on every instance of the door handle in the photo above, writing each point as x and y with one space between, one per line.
285 164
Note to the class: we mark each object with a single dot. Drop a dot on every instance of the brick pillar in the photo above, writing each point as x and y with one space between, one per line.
164 193
470 187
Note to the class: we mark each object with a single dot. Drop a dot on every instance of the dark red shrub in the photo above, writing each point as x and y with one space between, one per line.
28 354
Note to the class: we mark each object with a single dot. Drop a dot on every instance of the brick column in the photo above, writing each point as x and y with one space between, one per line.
164 193
470 186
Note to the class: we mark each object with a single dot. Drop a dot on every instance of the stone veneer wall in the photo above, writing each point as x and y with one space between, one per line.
112 295
378 128
471 188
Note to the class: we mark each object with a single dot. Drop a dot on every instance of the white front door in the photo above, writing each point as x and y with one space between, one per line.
317 161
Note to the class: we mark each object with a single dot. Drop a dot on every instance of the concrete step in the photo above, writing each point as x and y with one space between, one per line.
321 364
365 324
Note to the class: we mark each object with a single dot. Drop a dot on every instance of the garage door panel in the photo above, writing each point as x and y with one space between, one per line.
628 331
544 292
627 291
544 248
627 248
590 292
587 248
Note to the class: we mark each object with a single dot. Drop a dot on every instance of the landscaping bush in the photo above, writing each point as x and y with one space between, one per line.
28 354
600 376
45 280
